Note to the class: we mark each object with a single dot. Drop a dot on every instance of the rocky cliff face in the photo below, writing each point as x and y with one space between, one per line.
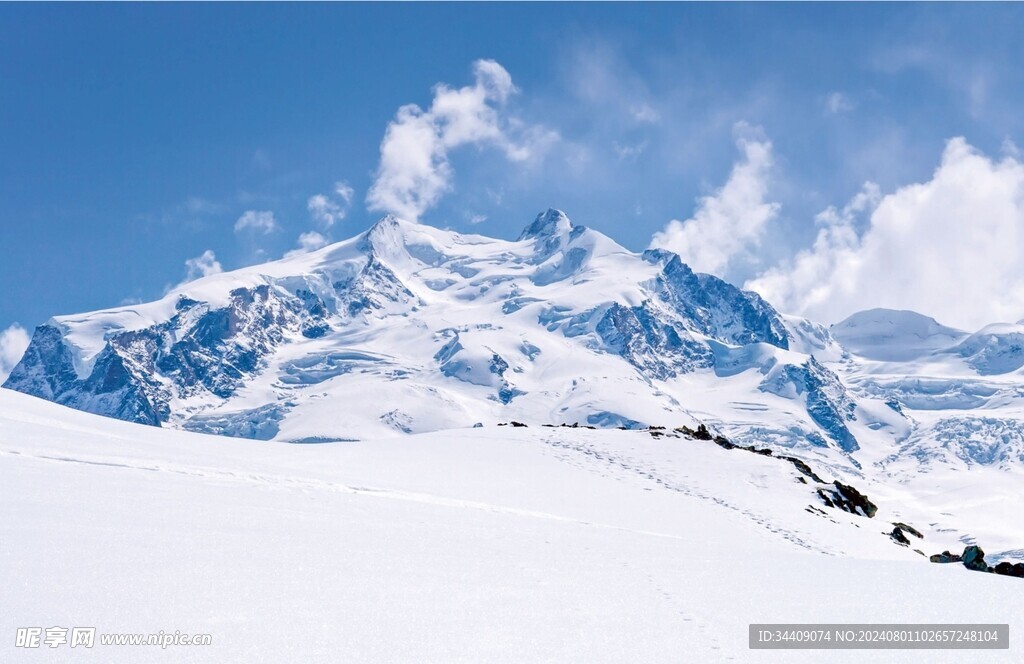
198 350
826 399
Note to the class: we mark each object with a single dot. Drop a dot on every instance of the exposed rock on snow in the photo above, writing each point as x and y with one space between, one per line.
974 559
848 499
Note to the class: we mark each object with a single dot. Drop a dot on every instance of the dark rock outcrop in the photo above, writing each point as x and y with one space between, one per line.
945 557
900 532
908 529
974 559
898 537
848 499
803 468
700 433
1009 569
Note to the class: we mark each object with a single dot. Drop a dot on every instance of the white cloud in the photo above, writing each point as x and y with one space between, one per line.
257 220
804 284
477 219
949 248
202 266
729 223
645 113
327 211
323 210
344 191
414 171
308 242
13 342
837 102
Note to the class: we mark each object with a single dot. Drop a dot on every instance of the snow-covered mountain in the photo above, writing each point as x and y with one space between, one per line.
961 392
885 334
408 328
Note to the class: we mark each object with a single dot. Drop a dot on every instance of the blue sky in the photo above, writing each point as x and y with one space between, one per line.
134 138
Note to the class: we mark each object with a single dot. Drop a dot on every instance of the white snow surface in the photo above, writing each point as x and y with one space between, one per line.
489 544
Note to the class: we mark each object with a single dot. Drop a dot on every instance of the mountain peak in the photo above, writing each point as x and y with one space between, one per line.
894 321
386 226
549 223
893 334
387 237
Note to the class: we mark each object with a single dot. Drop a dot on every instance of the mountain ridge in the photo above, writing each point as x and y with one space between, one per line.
409 328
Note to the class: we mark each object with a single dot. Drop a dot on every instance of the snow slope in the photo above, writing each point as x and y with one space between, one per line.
487 544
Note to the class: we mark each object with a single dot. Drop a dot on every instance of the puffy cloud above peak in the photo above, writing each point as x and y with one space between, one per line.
202 265
949 248
470 114
414 171
327 210
261 221
308 242
729 223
